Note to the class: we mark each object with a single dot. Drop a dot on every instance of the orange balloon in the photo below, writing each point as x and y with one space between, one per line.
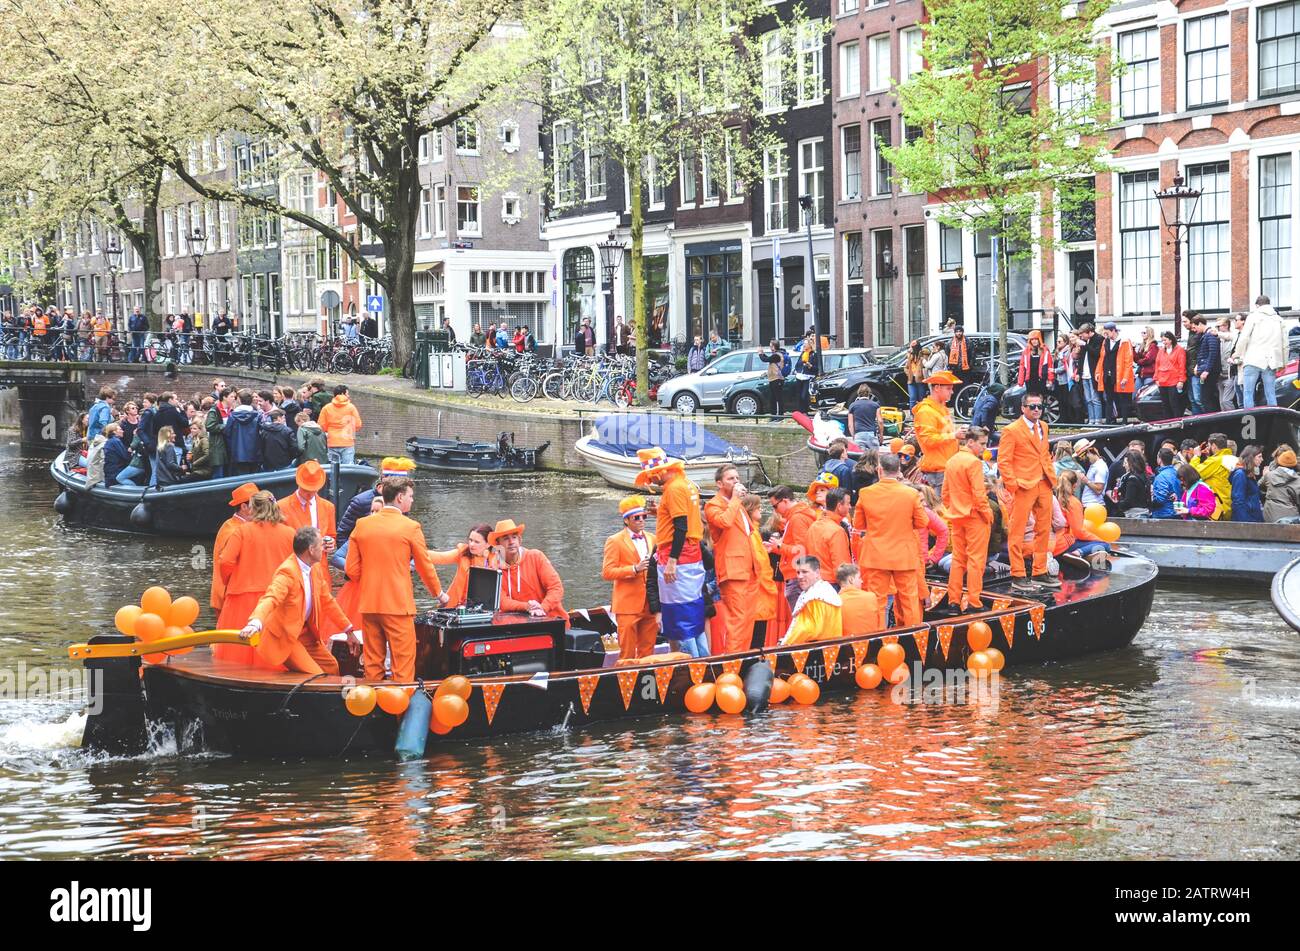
1108 532
733 679
451 709
979 663
149 627
868 676
700 697
360 700
393 700
805 691
898 675
996 660
437 726
156 600
796 677
730 698
979 636
184 611
160 657
455 685
1094 513
125 618
780 691
890 656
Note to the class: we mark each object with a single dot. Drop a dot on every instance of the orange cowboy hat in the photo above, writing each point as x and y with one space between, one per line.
242 494
653 462
505 527
824 480
310 476
943 377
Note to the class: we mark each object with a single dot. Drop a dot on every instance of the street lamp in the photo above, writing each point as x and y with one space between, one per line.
1171 207
810 279
198 243
113 254
611 259
887 267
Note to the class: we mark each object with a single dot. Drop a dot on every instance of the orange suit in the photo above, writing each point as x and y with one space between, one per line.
249 559
733 560
862 612
1025 465
637 627
290 635
532 579
966 501
935 435
828 542
218 583
297 515
464 561
380 551
892 514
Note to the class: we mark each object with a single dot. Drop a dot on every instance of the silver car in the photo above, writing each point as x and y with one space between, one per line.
705 389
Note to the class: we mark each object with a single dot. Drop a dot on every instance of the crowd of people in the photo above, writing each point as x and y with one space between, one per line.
500 337
164 439
61 335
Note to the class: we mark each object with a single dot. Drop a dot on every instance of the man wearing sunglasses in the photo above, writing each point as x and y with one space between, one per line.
1025 465
627 559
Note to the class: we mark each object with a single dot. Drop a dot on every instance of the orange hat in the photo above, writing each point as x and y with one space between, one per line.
505 527
896 445
907 449
396 466
653 462
632 505
942 377
310 476
242 494
1286 458
824 480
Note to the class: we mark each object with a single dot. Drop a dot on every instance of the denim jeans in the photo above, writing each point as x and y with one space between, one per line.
343 455
697 646
1196 396
916 392
137 346
128 476
1084 549
1250 377
1092 400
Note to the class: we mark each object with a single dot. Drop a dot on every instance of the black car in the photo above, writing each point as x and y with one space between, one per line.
888 380
1151 408
753 397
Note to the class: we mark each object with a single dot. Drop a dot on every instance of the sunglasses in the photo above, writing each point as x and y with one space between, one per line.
1035 407
636 518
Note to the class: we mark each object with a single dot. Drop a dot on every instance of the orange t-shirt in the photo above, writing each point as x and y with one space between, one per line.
797 524
860 612
681 497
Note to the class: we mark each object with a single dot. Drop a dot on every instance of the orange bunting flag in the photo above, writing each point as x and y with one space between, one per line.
663 675
1039 614
829 654
945 638
491 697
800 659
1001 604
1008 622
889 639
922 639
697 672
731 667
860 649
586 689
627 684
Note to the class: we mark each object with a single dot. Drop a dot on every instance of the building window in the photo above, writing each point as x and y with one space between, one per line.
950 258
909 42
914 289
810 63
775 176
1209 244
426 212
882 247
847 6
1275 228
715 294
579 289
853 256
773 70
735 185
223 224
851 159
688 177
467 136
1076 95
169 235
424 148
467 217
1207 61
509 136
1139 242
850 69
566 173
511 209
1080 223
595 162
812 174
1139 83
880 140
708 177
1279 49
878 51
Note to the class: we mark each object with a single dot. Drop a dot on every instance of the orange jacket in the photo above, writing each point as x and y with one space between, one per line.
463 560
1024 459
765 607
797 523
1076 528
964 494
340 420
621 559
733 558
227 529
893 514
861 612
532 579
252 554
829 544
297 516
1123 369
380 551
935 434
282 610
680 497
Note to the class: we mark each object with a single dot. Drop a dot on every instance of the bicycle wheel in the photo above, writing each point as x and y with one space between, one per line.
964 405
368 362
553 385
523 388
586 388
341 362
624 393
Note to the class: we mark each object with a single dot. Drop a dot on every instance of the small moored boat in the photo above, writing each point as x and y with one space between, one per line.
1285 592
456 455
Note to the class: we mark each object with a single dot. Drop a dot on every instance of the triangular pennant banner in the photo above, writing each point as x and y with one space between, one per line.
1001 604
937 594
663 675
731 667
492 697
1008 622
800 658
829 654
697 672
922 639
889 639
1010 632
945 638
860 649
586 688
1039 613
627 684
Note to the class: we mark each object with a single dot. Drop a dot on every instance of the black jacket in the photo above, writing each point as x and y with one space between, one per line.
359 507
167 466
279 448
173 416
116 458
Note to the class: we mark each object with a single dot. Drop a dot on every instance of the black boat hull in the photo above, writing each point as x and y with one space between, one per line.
452 455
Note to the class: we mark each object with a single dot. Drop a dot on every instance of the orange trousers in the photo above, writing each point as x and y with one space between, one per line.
636 635
1039 501
740 598
382 633
970 553
906 586
309 656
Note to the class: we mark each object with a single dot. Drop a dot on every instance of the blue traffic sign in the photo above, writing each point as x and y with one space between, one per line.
375 304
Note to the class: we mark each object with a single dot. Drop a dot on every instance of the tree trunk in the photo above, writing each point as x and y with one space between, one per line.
638 285
46 286
399 254
150 254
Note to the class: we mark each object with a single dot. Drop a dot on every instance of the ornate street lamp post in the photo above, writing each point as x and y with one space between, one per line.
1171 210
611 259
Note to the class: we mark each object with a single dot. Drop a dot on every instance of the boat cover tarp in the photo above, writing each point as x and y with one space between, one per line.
679 436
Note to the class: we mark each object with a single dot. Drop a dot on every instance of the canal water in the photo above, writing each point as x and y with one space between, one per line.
1181 746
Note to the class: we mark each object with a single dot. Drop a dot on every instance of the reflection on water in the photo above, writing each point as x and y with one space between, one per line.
1181 746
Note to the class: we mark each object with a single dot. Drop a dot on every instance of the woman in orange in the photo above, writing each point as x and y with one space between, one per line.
248 562
349 596
1078 538
765 632
474 552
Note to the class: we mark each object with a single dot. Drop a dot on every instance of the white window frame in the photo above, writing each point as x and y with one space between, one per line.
850 73
587 159
774 71
508 216
423 149
847 191
709 183
439 211
1219 53
566 179
876 157
426 212
469 125
508 133
910 58
687 177
809 68
810 175
477 204
1149 67
878 80
735 187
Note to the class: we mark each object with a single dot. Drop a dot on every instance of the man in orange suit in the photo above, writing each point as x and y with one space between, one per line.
306 507
1025 465
380 553
297 615
733 557
828 538
893 514
627 560
966 501
529 583
239 501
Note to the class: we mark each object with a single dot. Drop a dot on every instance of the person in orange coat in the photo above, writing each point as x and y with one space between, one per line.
765 590
349 596
239 501
306 506
733 557
861 612
828 538
380 552
248 563
341 421
936 435
893 514
966 501
529 584
799 519
298 615
626 562
1114 374
1028 473
474 552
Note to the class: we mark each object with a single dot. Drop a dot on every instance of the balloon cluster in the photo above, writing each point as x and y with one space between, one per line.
984 659
728 692
800 688
450 702
157 616
889 668
1096 517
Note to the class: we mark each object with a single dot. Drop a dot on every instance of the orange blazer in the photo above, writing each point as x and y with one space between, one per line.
464 561
282 609
619 566
298 517
380 551
801 519
252 555
765 608
893 514
1123 367
1024 459
829 543
964 494
226 530
935 435
732 558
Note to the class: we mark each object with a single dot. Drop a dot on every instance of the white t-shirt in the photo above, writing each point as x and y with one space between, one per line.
1097 472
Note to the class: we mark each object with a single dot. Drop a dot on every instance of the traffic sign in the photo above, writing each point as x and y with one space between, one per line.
375 304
